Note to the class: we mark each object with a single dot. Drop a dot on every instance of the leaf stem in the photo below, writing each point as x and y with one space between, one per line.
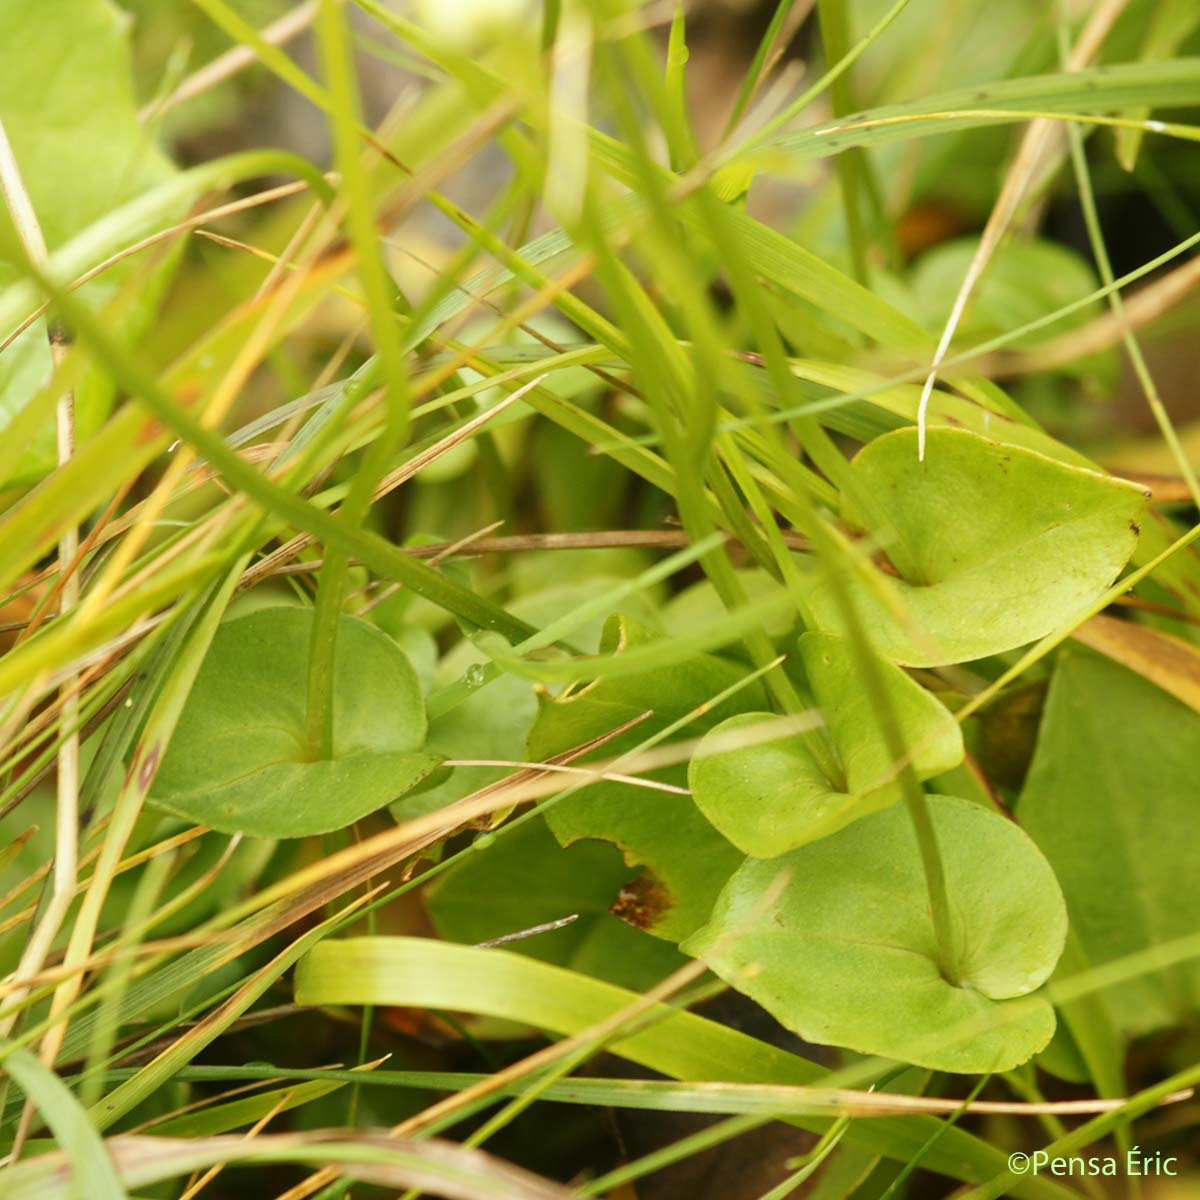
935 881
948 957
360 220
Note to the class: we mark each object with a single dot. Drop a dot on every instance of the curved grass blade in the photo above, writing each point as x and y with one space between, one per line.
439 1168
91 1172
1174 84
421 973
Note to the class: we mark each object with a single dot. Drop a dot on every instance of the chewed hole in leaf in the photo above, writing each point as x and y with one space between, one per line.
236 761
769 798
846 955
661 831
991 546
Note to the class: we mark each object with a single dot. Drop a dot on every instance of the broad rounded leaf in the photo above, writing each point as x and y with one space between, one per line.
769 798
236 759
845 955
1027 278
992 545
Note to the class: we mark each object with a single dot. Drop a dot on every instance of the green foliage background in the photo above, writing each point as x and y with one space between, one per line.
622 573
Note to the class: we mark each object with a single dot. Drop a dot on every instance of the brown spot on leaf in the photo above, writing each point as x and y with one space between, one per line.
643 902
421 1025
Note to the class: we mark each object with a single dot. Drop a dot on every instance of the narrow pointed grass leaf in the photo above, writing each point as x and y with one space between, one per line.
89 1171
1174 84
233 1114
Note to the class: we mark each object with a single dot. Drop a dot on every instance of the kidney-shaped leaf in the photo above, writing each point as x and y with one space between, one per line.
493 721
769 798
992 545
236 760
845 954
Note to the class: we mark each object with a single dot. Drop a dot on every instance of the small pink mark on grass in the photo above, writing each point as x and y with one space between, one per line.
147 766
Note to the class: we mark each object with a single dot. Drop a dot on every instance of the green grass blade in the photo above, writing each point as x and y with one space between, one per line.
163 1067
422 973
92 1173
1174 84
388 560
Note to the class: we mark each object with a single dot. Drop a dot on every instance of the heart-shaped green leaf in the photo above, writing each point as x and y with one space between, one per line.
686 859
845 953
236 761
993 545
772 797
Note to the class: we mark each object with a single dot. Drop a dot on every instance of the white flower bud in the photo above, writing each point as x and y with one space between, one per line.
464 23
